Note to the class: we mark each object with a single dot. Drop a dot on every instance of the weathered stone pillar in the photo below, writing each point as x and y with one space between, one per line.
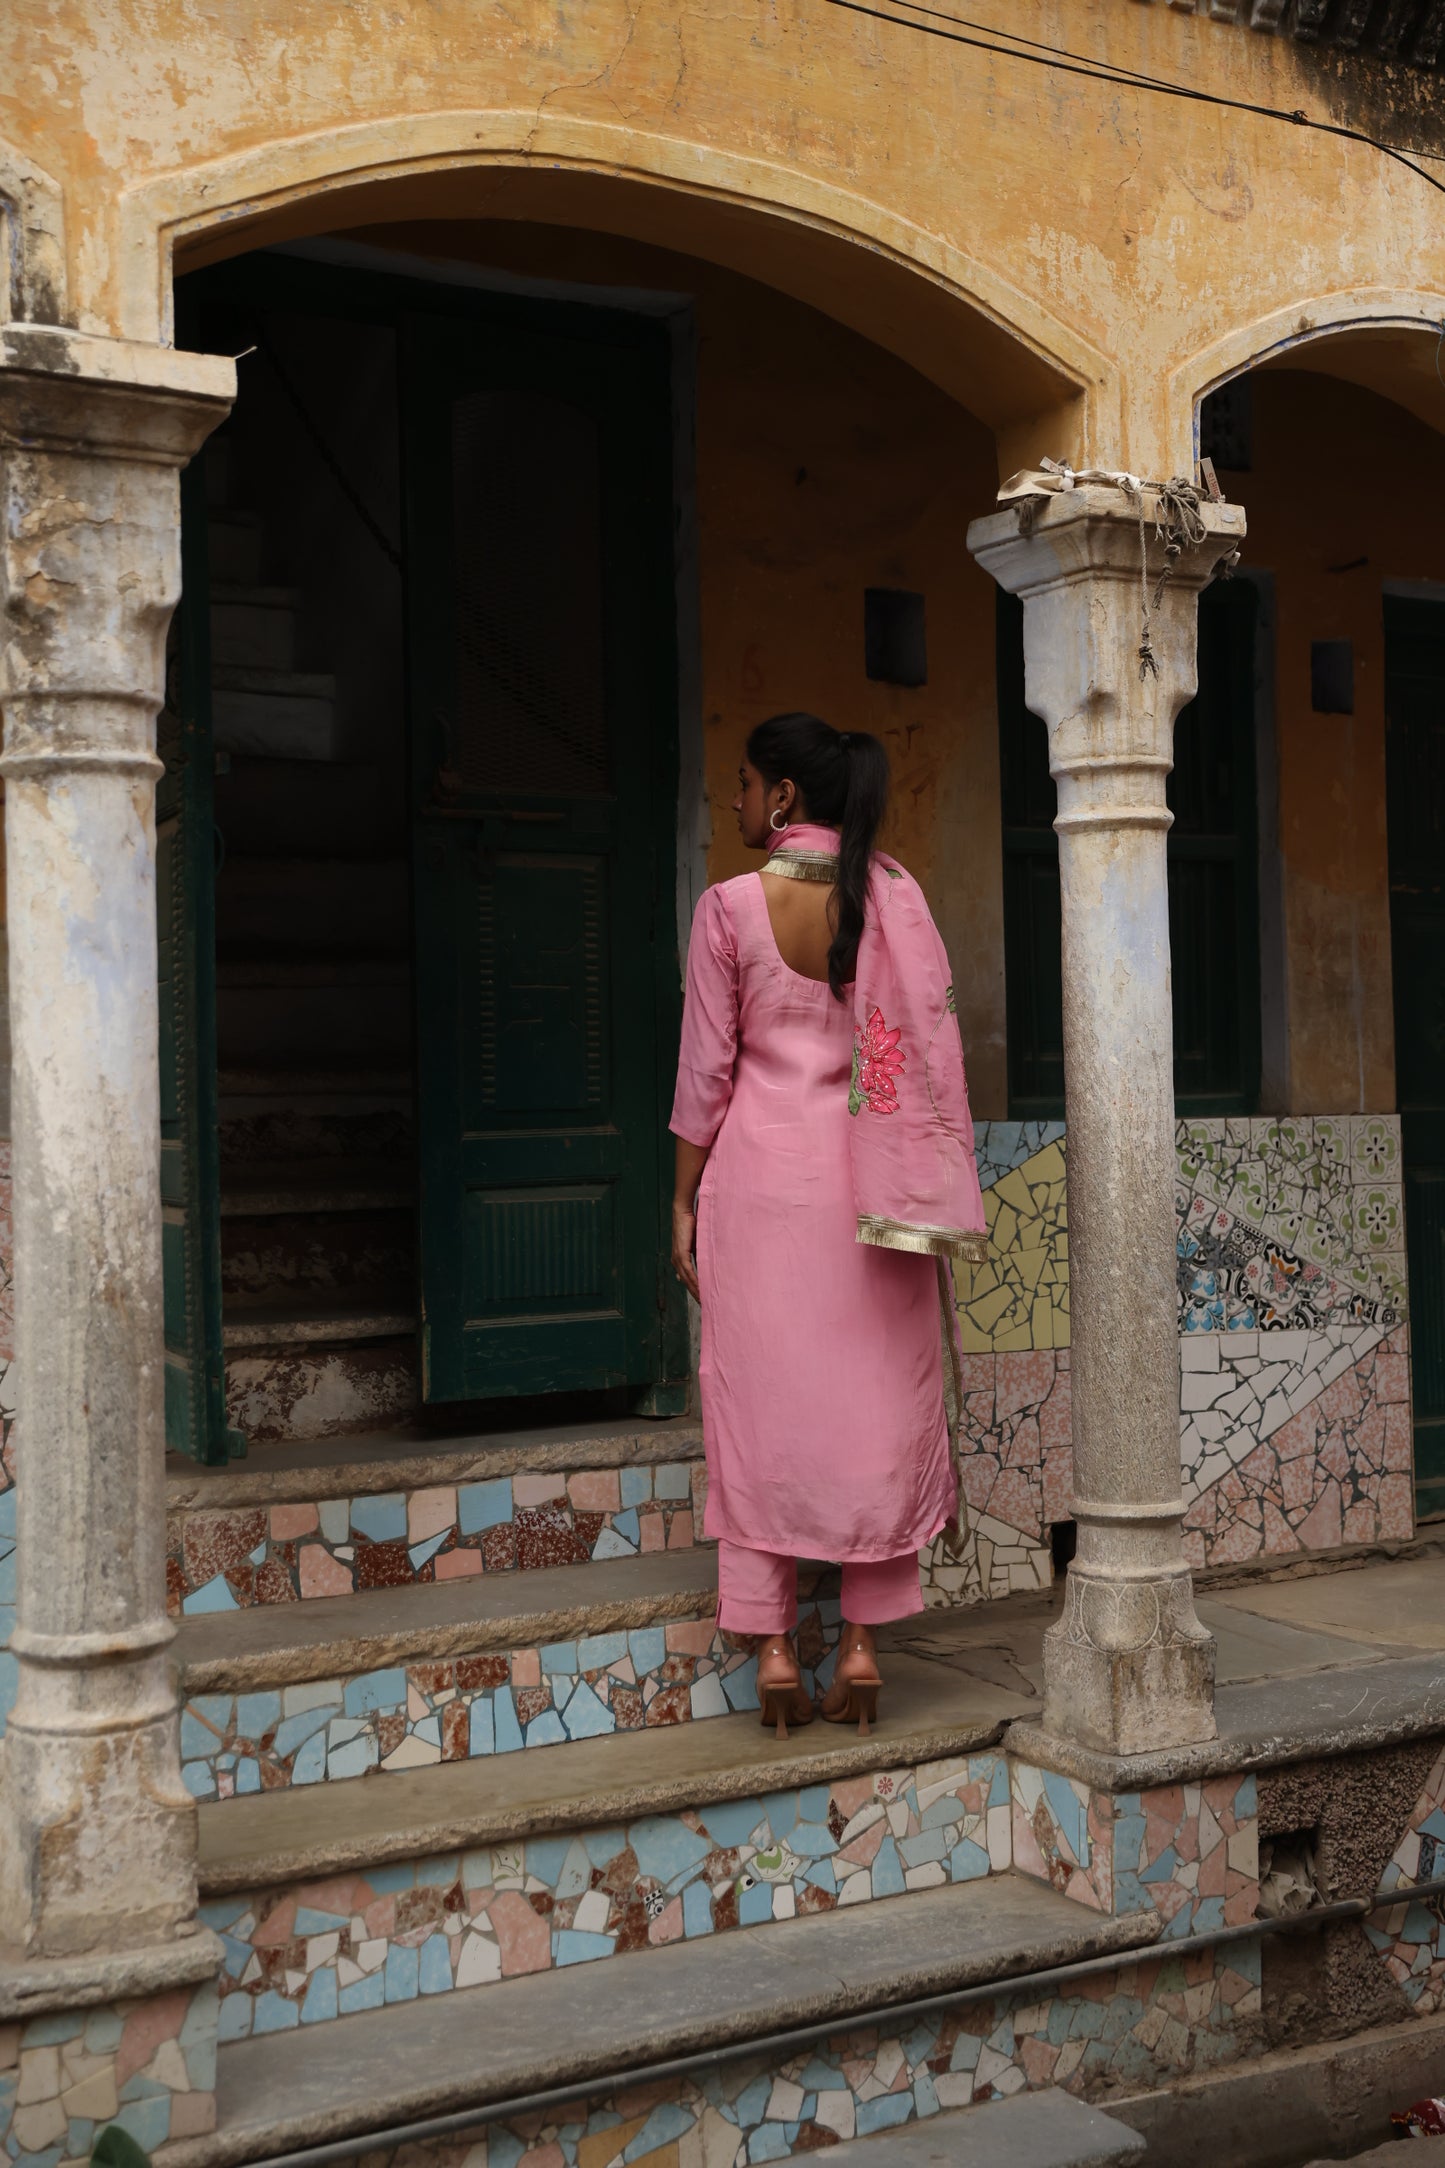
1129 1666
97 1832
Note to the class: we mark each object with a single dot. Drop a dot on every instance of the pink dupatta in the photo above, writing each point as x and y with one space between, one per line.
915 1181
915 1178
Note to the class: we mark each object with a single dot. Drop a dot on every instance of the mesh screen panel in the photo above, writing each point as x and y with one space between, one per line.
529 711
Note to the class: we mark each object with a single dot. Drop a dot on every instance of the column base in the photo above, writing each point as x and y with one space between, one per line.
1128 1669
97 1841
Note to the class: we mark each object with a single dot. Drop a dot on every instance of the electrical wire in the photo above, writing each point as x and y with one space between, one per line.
1062 61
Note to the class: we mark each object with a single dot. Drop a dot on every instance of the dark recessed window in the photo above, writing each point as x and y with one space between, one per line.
1213 907
1332 677
1226 426
895 650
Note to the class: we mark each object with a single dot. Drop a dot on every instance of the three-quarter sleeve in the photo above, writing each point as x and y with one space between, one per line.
709 1024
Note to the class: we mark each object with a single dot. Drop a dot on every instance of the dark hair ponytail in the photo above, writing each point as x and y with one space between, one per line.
842 778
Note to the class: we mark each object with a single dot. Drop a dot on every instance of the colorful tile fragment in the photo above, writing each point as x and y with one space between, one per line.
1139 2026
1410 1937
355 1942
410 1716
149 2066
219 1560
1189 1851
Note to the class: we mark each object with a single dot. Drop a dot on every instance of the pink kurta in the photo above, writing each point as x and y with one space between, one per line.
821 1372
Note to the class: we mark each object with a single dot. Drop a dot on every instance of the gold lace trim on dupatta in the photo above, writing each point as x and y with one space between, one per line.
803 866
890 1234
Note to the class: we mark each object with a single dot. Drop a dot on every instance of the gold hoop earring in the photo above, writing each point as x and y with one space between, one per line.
777 820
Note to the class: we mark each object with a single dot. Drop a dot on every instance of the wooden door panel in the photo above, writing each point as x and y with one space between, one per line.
543 678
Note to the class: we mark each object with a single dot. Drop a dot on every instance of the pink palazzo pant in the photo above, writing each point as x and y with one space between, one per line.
758 1590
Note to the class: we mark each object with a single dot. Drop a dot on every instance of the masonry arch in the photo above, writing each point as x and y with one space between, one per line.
1385 340
956 319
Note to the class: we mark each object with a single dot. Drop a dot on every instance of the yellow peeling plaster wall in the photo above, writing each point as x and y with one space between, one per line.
824 466
1123 231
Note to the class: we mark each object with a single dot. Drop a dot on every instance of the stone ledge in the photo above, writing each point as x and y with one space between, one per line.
323 1829
30 1986
467 2049
1266 1723
283 1644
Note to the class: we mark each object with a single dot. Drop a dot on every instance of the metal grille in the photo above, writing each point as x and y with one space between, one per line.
530 711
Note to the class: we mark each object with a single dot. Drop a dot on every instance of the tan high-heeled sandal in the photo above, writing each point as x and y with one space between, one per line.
858 1690
783 1700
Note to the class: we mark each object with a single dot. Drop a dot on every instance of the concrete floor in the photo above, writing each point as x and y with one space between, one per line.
1287 1628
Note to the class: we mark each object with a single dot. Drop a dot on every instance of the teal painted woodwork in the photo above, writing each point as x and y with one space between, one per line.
1213 877
195 1395
542 675
1415 783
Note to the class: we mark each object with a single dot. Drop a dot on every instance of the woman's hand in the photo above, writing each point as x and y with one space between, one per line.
684 1247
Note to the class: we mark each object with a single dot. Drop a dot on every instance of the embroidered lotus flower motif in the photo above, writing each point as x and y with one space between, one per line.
876 1062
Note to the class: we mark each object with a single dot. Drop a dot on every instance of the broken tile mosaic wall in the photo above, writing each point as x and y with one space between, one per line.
297 1956
222 1561
1410 1937
1294 1352
410 1716
1137 2026
1189 1851
149 2066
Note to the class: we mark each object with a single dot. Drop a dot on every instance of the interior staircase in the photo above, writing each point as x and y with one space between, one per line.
313 968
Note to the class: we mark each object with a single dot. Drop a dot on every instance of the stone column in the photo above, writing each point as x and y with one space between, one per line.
97 1832
1129 1666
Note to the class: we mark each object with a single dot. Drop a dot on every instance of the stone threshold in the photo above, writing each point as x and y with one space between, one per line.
469 2048
1267 1723
316 1830
338 1467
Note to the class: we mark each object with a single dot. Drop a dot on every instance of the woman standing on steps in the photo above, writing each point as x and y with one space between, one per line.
825 1173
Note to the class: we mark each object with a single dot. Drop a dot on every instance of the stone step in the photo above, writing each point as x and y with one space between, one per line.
254 627
354 1513
1050 2129
237 541
324 1320
275 714
294 1023
287 1188
763 2097
305 908
930 1713
345 811
286 1394
279 1256
397 1678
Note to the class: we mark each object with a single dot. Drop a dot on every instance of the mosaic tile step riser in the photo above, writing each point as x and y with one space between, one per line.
414 1715
304 1953
301 1955
231 1560
1132 2028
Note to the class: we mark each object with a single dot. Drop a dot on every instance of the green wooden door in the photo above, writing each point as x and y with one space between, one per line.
542 674
1415 715
195 1392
